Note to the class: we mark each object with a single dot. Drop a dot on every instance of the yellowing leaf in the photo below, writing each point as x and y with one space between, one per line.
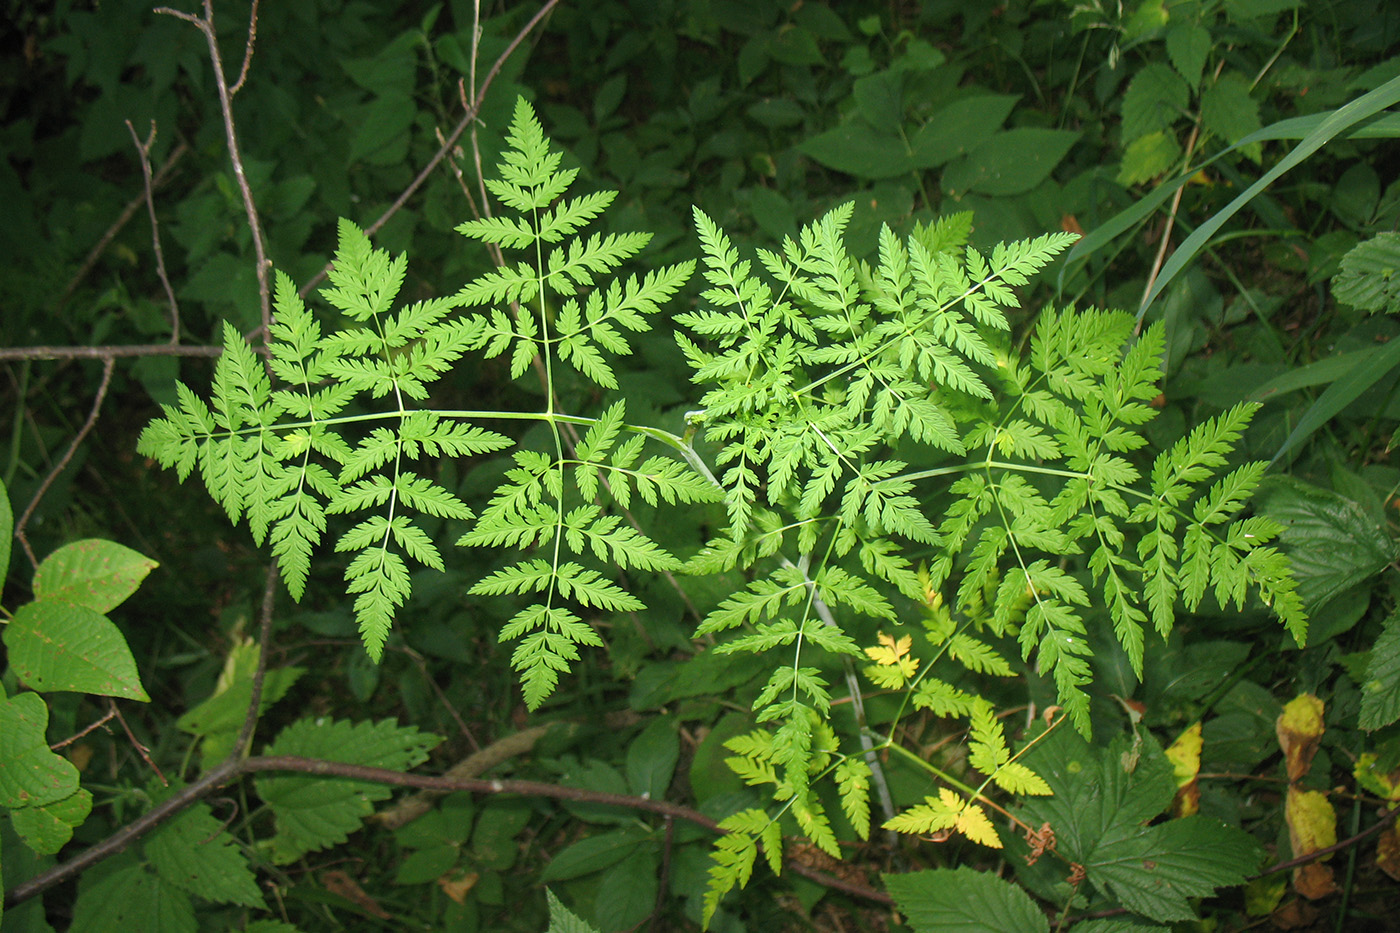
1185 757
891 653
458 888
1015 778
932 816
1369 776
1299 729
973 823
1312 825
1262 895
1388 852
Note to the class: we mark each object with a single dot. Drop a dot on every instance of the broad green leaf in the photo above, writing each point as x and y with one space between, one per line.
1147 157
959 128
593 853
652 757
133 899
1188 46
313 813
47 828
963 900
1012 162
96 574
1368 278
429 864
493 843
880 100
627 892
1380 690
858 149
194 852
32 776
562 920
7 533
218 719
65 646
1103 801
1333 544
1159 869
1228 111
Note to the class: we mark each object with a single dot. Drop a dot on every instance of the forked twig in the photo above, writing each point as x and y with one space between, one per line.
123 218
206 26
144 150
467 120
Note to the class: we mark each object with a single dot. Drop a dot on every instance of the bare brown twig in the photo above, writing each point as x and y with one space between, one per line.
247 51
467 119
206 26
8 354
58 468
136 743
144 150
123 218
234 768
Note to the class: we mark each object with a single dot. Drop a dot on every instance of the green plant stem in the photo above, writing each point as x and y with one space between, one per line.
877 771
1350 879
937 772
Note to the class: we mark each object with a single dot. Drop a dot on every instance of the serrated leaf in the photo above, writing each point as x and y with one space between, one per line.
313 813
962 900
1368 279
194 852
1188 45
1380 688
562 920
1155 99
1228 111
1332 543
130 899
1103 800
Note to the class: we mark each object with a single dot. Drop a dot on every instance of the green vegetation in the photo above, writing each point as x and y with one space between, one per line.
705 483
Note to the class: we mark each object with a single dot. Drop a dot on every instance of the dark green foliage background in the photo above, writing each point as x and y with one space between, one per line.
764 114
